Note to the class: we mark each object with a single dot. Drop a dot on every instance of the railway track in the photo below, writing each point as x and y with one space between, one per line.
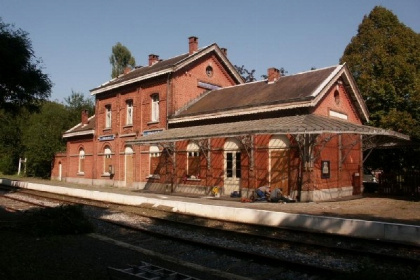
237 250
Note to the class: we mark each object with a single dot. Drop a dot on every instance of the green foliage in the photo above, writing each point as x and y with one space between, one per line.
22 83
10 141
75 103
384 58
120 59
62 220
247 75
42 138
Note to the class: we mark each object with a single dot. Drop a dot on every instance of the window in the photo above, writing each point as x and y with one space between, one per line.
154 160
108 116
129 119
209 71
81 161
337 97
107 160
155 108
193 154
233 165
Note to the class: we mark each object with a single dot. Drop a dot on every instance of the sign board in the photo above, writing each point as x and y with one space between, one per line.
149 132
106 137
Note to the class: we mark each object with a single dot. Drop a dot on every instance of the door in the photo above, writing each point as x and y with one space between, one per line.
279 163
279 170
129 163
233 168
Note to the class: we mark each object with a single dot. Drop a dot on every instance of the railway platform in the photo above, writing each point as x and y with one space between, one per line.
231 209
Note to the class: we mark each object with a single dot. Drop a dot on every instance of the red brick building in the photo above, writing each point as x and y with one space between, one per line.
188 124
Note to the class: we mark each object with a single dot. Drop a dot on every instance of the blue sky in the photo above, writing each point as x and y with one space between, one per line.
75 38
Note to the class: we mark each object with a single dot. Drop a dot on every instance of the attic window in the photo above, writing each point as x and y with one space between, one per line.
337 97
209 71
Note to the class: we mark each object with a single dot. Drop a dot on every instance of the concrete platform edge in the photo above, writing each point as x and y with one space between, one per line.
349 227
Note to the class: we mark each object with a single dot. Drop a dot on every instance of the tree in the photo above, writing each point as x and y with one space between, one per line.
42 138
247 76
384 58
75 103
22 82
10 141
120 59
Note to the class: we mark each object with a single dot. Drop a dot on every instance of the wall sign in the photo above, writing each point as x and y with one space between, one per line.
325 169
106 137
149 132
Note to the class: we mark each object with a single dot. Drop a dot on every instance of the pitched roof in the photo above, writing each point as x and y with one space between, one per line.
299 90
302 124
79 129
165 66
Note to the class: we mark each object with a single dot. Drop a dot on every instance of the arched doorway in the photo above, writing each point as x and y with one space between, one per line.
232 166
60 171
129 166
279 163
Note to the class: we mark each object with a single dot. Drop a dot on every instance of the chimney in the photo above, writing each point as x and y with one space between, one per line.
224 51
193 44
153 58
127 70
85 117
273 74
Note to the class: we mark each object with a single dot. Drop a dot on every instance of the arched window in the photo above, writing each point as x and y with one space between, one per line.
108 160
193 162
279 162
337 97
81 161
155 154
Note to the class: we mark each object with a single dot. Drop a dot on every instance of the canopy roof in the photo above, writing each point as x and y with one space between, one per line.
302 124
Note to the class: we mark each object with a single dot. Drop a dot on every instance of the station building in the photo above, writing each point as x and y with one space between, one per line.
190 125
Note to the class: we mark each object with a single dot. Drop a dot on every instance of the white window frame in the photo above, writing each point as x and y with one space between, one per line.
193 150
107 155
81 167
108 116
129 118
155 108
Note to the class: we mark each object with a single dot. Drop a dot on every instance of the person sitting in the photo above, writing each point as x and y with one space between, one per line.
276 195
263 193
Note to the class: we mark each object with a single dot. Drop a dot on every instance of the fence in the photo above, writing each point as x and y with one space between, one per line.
407 184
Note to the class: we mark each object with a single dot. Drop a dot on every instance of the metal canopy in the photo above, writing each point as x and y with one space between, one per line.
303 124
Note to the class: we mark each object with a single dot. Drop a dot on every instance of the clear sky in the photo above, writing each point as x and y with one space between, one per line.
74 38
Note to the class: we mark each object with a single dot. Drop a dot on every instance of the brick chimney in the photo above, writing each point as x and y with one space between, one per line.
85 117
224 51
153 58
127 70
273 74
193 44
